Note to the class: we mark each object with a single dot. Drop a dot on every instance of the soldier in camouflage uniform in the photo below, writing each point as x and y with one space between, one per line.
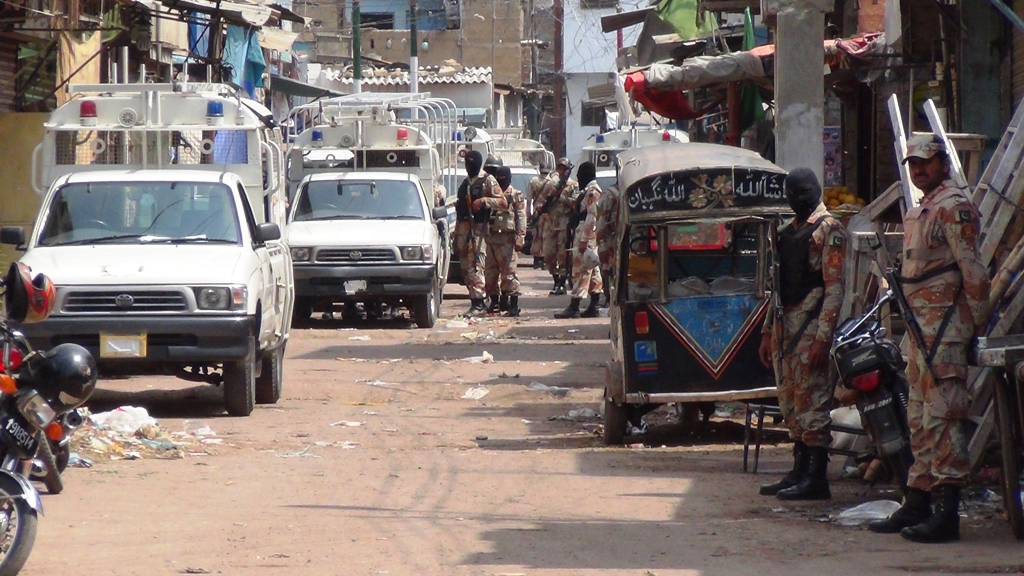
607 236
947 288
478 193
798 335
558 198
585 279
505 236
533 195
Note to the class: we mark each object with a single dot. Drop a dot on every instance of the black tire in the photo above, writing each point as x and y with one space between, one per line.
270 382
240 383
1010 445
426 308
51 478
616 418
16 544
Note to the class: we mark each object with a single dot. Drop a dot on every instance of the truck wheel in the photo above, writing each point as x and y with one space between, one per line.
240 383
616 418
271 379
425 308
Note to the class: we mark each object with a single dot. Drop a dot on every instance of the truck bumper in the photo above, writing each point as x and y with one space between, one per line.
405 280
171 341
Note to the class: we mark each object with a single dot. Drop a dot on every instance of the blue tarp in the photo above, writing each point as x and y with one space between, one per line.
198 35
244 56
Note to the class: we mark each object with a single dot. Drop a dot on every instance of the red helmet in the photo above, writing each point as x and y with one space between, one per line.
27 299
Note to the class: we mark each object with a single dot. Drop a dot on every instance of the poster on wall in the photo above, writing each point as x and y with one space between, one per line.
833 156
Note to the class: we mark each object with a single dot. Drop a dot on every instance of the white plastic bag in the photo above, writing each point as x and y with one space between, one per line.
123 420
866 512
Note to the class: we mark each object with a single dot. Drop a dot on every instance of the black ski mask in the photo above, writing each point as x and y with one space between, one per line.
503 174
474 161
586 174
803 192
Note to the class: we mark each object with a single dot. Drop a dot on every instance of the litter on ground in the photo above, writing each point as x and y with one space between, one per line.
553 390
475 393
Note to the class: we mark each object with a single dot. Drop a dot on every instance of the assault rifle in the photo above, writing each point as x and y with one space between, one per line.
548 204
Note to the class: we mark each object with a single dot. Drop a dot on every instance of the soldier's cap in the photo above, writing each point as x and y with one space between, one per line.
564 163
925 146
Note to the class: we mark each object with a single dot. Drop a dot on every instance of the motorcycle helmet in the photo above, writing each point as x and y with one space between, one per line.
492 163
65 376
28 299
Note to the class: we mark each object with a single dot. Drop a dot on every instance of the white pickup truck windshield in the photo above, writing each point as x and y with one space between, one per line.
359 200
141 212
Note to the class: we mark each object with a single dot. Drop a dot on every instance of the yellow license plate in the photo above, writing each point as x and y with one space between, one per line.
122 345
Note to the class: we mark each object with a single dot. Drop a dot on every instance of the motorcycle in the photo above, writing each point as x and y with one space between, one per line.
38 392
870 363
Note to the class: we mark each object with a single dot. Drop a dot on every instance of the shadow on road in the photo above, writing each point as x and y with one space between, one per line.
206 401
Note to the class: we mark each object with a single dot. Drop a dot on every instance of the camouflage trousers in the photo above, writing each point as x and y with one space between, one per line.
937 415
537 247
585 281
555 249
804 392
502 259
472 249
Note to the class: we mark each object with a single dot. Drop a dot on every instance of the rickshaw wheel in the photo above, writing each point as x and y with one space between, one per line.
616 417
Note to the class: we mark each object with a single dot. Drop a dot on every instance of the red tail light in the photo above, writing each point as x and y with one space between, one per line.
15 359
866 382
642 323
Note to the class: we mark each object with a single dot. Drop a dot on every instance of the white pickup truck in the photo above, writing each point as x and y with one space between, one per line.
161 228
368 237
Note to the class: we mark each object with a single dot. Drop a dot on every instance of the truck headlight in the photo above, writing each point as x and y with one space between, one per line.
418 253
221 297
301 254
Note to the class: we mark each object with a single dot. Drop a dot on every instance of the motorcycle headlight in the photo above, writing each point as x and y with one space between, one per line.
36 409
221 297
301 254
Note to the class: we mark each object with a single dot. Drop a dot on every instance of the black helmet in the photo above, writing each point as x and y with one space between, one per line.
65 376
491 163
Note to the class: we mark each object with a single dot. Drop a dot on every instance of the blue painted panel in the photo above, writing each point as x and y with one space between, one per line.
712 322
645 351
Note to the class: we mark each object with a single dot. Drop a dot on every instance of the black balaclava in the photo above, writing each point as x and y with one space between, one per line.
474 161
803 192
503 174
586 174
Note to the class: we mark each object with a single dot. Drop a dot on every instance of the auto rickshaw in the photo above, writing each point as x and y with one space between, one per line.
694 272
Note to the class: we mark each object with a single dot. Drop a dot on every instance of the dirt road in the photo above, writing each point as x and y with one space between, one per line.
375 463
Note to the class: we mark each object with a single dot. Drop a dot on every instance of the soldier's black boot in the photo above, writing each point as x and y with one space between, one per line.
591 311
513 305
503 303
476 309
538 262
944 523
790 479
572 311
607 294
554 285
813 485
559 286
916 508
494 308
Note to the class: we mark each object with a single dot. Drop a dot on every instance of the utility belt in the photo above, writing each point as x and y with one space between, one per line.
947 317
918 282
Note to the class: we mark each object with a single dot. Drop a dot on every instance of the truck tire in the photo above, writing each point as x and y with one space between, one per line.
425 308
271 379
616 417
240 383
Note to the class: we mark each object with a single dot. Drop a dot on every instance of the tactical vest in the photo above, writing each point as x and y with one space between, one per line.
474 190
503 220
796 277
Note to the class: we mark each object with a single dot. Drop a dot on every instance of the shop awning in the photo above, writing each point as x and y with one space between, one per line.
243 13
295 88
287 14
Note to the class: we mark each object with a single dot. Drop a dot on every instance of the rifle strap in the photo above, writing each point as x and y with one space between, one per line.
803 327
942 328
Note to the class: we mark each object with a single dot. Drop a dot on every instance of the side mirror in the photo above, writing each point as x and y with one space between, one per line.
439 212
267 231
13 235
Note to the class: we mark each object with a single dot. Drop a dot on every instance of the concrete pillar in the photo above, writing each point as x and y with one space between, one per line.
799 84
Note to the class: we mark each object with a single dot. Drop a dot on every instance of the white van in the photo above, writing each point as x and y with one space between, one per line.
161 229
368 238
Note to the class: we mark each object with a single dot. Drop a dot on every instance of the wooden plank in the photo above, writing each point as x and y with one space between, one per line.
955 169
911 194
1014 148
981 436
883 202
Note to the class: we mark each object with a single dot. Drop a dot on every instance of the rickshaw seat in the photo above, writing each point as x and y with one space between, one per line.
770 410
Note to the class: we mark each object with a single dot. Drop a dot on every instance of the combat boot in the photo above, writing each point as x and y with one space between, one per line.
572 311
607 294
513 305
538 263
944 523
503 303
916 508
813 485
494 308
476 309
554 285
793 477
559 286
591 311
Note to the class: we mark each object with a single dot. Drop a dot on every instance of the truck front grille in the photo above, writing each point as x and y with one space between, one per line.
355 255
125 302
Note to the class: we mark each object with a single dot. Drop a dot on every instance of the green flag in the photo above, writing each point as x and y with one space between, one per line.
750 96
